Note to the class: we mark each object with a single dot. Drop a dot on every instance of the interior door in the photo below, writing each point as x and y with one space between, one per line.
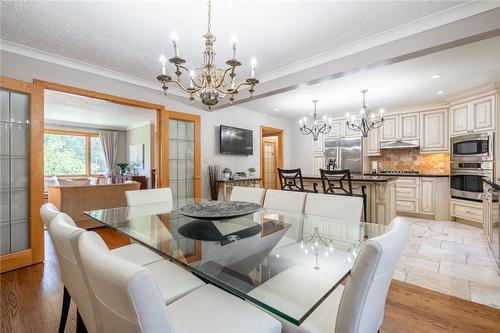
21 170
270 164
184 157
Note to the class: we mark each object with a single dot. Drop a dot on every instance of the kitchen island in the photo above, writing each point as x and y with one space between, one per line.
380 192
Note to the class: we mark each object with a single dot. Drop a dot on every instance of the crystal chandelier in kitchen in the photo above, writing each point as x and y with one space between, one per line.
315 127
366 120
207 82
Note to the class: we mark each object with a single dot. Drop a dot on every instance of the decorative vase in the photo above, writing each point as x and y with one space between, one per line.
251 173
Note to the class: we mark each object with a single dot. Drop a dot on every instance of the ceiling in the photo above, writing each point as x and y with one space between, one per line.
294 41
74 110
395 86
129 36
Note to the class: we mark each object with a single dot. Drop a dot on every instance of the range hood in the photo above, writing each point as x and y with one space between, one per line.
398 144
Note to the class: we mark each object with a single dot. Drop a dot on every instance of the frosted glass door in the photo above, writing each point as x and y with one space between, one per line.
14 172
181 160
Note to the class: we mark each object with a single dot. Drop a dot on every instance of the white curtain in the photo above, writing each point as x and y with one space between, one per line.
109 142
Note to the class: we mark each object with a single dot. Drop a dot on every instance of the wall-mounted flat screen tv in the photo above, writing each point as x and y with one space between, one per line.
236 141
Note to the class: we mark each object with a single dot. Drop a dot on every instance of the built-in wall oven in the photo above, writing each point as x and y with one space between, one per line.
471 160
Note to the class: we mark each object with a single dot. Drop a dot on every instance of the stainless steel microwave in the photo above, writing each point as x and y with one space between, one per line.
472 147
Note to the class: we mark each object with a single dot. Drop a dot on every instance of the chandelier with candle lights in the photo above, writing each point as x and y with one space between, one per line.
315 127
366 121
207 82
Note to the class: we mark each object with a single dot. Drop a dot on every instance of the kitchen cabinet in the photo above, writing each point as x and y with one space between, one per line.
401 127
467 210
407 194
426 205
434 131
373 142
475 116
487 209
318 162
336 130
350 133
318 146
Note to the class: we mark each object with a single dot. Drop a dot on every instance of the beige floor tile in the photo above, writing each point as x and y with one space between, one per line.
419 261
421 240
439 282
400 273
478 259
443 236
464 248
472 272
476 241
442 254
485 294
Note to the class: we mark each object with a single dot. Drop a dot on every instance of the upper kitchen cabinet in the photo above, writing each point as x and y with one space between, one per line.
400 127
434 131
373 142
318 146
336 130
477 115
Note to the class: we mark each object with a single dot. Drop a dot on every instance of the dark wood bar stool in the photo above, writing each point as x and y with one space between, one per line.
339 182
291 180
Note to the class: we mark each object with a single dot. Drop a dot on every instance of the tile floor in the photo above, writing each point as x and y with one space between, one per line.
451 258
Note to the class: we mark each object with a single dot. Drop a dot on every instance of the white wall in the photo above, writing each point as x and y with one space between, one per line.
141 135
26 69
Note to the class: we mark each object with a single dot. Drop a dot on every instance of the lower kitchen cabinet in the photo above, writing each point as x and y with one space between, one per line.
467 210
427 188
423 195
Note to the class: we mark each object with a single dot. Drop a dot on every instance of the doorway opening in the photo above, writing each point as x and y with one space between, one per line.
271 155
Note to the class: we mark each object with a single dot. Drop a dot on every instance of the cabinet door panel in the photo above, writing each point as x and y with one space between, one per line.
408 126
459 119
350 133
390 128
336 130
434 131
373 142
482 114
427 195
318 163
318 145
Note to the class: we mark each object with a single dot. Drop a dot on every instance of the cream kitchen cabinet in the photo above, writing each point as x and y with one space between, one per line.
373 142
475 116
339 130
433 131
318 162
467 210
427 200
318 146
401 127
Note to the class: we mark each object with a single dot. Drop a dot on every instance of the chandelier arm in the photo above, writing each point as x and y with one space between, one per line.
223 77
189 91
305 130
227 92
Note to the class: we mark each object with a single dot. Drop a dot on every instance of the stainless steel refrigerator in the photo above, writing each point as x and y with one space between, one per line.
346 152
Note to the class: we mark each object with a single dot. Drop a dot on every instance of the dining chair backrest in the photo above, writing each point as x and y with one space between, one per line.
362 304
285 200
48 211
336 181
248 194
126 296
335 206
291 179
63 230
151 196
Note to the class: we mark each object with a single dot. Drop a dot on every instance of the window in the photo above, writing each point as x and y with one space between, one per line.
73 154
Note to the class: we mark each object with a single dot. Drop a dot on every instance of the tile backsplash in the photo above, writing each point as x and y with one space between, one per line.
411 159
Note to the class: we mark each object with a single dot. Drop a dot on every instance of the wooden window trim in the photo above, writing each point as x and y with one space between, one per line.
88 136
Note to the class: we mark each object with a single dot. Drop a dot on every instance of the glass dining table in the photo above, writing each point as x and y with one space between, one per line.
284 262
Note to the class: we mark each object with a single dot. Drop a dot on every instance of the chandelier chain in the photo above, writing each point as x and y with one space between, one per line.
209 26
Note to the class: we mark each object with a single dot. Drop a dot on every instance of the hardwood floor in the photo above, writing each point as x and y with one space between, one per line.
31 302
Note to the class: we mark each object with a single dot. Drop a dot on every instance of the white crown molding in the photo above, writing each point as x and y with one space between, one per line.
429 22
59 124
82 66
489 89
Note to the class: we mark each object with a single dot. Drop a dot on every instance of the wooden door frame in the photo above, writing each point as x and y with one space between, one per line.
280 161
35 253
197 145
161 118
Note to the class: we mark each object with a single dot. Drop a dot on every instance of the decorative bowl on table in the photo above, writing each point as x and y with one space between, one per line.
219 210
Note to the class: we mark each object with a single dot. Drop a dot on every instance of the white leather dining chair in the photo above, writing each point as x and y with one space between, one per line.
173 281
289 201
127 300
359 306
336 206
248 194
144 197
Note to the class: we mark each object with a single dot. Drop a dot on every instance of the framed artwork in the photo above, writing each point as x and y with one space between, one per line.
136 156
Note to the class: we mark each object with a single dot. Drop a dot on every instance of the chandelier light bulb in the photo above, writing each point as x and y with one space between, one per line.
362 111
175 42
381 111
372 115
234 42
191 74
347 115
325 117
253 64
163 62
330 121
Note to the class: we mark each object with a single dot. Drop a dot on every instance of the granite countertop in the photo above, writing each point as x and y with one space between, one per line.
242 179
405 175
495 185
360 178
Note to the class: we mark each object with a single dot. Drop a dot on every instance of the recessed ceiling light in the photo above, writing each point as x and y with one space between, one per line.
439 92
436 76
276 109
